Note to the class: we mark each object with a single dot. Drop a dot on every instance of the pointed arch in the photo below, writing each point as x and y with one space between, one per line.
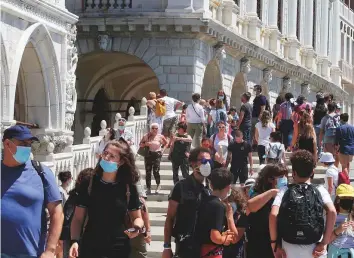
238 87
35 59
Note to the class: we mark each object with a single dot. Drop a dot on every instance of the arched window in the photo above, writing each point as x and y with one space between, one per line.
280 15
314 24
259 9
101 110
298 19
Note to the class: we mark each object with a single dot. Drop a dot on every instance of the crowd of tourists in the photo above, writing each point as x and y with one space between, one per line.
223 207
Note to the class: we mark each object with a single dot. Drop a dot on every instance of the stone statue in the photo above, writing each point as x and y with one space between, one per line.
245 65
70 87
286 84
267 75
104 42
305 89
220 54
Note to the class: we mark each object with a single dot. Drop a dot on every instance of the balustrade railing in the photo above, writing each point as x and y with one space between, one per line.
75 158
347 13
95 5
347 71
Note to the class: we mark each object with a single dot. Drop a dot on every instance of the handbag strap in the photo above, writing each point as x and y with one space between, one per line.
195 111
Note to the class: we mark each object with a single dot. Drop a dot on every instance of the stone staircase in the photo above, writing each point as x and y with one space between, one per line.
157 204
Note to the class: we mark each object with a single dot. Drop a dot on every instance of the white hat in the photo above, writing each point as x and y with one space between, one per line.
249 182
327 157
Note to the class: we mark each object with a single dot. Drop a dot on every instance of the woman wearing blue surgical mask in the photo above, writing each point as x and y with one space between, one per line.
109 202
222 96
110 135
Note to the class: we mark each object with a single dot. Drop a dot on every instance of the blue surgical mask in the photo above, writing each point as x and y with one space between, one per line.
221 97
282 182
121 127
22 154
108 166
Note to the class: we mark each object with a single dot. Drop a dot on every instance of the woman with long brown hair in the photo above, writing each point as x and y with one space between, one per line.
263 129
110 202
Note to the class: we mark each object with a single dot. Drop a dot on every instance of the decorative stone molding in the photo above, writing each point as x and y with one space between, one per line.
49 144
143 107
104 42
103 130
245 65
116 119
70 87
220 53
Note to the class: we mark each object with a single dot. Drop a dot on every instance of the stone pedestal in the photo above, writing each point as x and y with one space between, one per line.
293 49
254 28
274 40
308 55
336 75
325 67
229 13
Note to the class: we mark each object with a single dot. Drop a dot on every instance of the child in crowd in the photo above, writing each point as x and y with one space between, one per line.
206 143
183 114
238 202
240 154
275 151
331 179
210 227
343 233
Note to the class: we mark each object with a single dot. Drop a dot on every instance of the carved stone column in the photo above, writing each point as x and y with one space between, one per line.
305 90
245 68
286 85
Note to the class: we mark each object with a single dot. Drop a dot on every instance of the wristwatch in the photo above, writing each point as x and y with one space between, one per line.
167 246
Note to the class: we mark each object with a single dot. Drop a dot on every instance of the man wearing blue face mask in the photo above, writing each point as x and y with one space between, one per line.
125 134
24 196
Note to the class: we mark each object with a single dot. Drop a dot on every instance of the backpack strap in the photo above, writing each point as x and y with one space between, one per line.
38 167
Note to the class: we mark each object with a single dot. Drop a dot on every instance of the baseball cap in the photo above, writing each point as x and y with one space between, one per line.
345 190
18 132
326 157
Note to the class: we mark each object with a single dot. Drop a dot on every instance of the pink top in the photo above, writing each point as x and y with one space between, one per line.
155 141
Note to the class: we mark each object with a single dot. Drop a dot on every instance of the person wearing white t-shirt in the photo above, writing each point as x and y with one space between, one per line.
331 179
303 165
263 130
195 120
170 119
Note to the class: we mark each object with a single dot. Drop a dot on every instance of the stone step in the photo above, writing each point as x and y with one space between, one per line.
157 219
157 233
166 169
162 196
155 249
157 207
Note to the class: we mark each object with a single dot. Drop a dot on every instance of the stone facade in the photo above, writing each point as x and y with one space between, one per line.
36 59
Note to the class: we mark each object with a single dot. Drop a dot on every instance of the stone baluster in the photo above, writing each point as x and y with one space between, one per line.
87 135
103 130
116 118
104 4
111 4
89 4
143 107
131 114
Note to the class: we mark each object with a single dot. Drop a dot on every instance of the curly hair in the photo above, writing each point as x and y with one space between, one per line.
237 196
303 163
127 172
266 175
265 118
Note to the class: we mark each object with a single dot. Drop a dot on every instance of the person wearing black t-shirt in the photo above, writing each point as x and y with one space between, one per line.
184 199
259 105
181 144
245 120
240 153
214 218
105 200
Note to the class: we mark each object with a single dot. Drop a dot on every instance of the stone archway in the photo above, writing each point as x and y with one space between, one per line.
4 80
34 76
238 88
122 76
212 81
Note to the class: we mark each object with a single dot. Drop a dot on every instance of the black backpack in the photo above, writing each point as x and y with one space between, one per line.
300 218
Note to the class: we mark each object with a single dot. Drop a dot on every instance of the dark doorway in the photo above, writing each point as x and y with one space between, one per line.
101 110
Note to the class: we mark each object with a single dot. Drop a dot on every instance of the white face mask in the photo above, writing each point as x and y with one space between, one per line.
205 169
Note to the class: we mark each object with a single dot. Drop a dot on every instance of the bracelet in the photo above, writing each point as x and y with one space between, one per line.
167 246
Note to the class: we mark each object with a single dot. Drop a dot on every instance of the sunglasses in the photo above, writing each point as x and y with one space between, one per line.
204 161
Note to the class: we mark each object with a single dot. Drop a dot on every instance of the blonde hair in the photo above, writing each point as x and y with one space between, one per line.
308 131
219 104
265 118
152 95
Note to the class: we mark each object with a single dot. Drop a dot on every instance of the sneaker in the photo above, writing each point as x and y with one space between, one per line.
148 191
158 188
